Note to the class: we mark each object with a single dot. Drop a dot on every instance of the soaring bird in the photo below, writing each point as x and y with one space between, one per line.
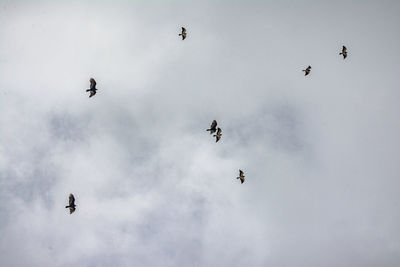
183 34
344 52
93 88
71 205
213 127
307 70
218 135
241 176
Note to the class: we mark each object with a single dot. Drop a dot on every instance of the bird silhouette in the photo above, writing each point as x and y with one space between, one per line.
344 52
93 88
71 205
218 135
307 70
213 127
241 176
183 34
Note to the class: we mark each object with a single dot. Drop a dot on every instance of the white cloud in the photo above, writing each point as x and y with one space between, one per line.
152 186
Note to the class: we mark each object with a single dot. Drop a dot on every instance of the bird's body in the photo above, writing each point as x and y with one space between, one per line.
241 176
218 135
213 127
93 88
307 71
344 52
71 205
183 34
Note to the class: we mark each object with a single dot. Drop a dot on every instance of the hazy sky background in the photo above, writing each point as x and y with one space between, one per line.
320 153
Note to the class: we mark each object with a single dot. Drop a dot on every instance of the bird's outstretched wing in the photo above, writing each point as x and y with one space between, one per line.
240 173
344 49
92 84
218 135
213 127
213 124
92 93
71 210
71 200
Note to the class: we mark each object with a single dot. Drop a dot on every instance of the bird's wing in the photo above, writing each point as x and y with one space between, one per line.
219 131
92 93
242 179
344 48
71 210
71 200
183 36
183 30
92 83
213 124
240 173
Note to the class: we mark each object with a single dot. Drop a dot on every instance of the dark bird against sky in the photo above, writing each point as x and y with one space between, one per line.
241 176
218 135
183 34
71 205
344 52
213 127
93 88
307 71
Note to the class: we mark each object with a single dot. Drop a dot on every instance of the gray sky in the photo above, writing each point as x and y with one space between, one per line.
320 153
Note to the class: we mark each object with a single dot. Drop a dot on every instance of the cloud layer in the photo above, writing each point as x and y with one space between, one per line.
320 153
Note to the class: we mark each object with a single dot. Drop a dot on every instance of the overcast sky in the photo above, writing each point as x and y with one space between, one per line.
320 153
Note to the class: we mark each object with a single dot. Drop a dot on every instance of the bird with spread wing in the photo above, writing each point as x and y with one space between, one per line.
183 34
241 176
71 205
218 135
307 71
93 88
213 127
344 52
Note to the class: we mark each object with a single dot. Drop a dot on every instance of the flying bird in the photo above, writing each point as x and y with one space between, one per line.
93 88
218 135
307 70
213 127
183 34
71 205
241 176
344 52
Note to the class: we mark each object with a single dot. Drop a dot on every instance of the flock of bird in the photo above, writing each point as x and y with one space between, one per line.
213 127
